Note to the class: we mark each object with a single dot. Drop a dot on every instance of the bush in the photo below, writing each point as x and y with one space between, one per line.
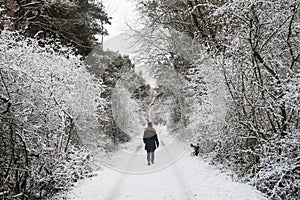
49 106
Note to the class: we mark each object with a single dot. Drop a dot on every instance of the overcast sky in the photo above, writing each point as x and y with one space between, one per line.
122 12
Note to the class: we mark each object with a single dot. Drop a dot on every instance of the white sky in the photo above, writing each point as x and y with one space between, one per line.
122 12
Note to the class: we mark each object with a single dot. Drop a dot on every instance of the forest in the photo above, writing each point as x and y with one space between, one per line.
227 78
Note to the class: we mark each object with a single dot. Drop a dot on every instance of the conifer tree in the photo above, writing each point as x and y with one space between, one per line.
71 23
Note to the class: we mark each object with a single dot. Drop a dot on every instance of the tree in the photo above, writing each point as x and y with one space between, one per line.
260 70
72 23
256 45
49 106
110 67
194 18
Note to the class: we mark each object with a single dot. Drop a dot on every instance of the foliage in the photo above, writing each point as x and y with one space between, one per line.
49 106
190 17
111 67
126 110
72 23
261 69
240 84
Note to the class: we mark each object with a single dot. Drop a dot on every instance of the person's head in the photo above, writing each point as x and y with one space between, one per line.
150 124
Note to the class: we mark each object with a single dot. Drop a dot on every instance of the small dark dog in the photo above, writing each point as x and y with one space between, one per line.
196 149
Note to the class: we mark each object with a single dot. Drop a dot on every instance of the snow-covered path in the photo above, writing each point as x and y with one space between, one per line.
175 175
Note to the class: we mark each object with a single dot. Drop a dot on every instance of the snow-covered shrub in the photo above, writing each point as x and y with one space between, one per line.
255 118
262 77
49 106
113 69
279 174
126 110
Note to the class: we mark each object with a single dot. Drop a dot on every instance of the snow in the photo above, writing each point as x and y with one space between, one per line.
175 175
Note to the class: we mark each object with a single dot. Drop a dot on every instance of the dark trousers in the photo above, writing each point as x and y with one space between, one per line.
150 156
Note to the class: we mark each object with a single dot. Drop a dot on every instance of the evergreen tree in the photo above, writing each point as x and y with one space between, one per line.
71 23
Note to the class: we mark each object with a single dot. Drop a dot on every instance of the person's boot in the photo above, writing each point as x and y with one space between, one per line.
148 163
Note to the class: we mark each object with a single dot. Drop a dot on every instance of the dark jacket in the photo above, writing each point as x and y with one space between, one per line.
150 139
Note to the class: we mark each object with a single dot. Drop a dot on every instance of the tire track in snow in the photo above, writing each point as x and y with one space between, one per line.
116 189
187 194
184 178
123 176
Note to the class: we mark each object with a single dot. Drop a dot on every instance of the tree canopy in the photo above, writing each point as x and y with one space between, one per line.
72 23
236 89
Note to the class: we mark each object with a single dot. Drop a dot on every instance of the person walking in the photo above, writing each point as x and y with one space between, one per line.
151 142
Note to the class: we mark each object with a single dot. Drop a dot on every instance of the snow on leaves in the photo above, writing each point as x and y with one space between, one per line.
257 43
49 105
